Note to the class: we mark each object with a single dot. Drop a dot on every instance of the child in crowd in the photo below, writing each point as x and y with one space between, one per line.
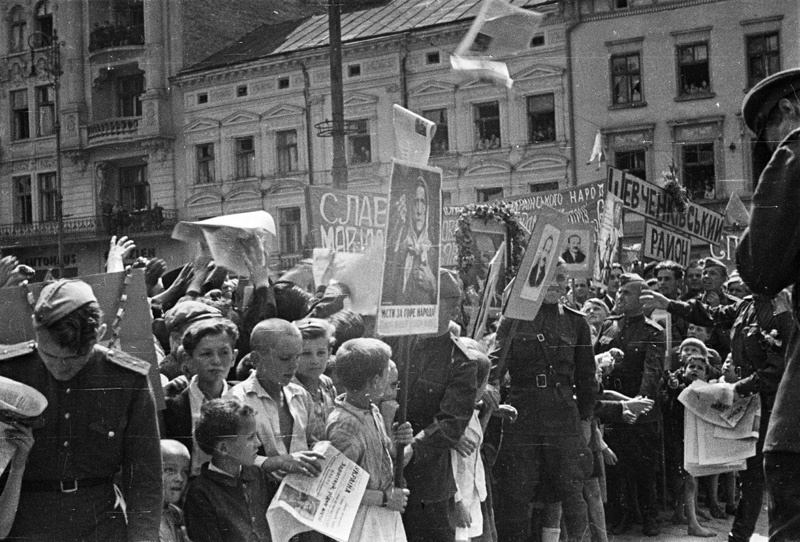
228 502
469 471
311 364
210 347
356 428
696 368
729 376
175 474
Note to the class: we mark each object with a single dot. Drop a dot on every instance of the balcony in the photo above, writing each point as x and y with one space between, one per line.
107 36
287 261
112 130
88 228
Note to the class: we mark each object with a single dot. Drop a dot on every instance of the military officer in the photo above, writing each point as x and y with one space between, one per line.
544 455
638 374
100 421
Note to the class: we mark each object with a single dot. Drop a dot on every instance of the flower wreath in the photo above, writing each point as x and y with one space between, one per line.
499 212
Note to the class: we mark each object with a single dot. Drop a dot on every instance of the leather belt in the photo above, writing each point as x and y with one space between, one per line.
65 486
544 380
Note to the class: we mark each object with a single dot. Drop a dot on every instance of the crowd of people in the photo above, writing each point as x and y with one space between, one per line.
560 427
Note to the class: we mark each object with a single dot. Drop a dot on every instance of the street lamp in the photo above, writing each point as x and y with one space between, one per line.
51 47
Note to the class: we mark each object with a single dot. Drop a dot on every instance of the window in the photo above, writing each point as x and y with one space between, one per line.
354 70
286 150
48 197
441 139
129 95
23 200
763 57
290 230
432 58
537 41
693 74
633 162
541 118
45 111
283 83
543 187
44 20
488 194
622 4
202 98
359 143
447 198
487 125
626 79
205 163
21 115
245 158
17 30
698 170
134 191
241 91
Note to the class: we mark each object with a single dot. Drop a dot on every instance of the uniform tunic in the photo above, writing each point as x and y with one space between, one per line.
101 421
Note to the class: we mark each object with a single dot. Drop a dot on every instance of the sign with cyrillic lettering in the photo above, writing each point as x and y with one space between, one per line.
654 202
663 244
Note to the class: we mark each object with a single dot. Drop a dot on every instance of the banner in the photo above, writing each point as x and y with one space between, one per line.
238 242
412 136
327 503
410 282
136 332
664 244
653 202
537 267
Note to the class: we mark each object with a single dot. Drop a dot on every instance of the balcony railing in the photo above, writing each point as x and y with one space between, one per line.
287 261
118 35
113 129
90 227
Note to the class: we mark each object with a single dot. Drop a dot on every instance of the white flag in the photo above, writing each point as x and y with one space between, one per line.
499 29
597 150
412 135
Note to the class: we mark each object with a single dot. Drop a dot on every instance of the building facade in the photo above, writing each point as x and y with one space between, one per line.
113 59
249 140
663 81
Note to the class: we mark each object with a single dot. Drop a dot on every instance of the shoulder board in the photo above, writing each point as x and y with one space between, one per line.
615 317
11 351
471 354
127 361
653 323
576 312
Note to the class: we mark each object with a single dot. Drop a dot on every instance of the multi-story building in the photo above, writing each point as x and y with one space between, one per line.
116 117
249 140
663 81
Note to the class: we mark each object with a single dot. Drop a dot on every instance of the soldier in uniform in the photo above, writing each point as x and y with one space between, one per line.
100 421
544 455
638 374
758 337
441 397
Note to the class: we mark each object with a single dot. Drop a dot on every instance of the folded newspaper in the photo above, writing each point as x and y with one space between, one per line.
18 403
327 503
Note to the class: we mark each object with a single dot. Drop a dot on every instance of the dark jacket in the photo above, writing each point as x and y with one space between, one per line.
639 373
442 383
221 508
178 419
768 259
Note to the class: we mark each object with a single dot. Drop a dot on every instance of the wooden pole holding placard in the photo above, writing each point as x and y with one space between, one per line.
403 361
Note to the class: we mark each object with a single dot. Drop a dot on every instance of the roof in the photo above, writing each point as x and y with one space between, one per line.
393 17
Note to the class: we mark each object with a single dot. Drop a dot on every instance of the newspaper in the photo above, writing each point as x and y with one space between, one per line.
237 242
412 135
327 503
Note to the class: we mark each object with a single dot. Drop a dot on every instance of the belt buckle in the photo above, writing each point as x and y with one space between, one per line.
540 337
541 381
72 489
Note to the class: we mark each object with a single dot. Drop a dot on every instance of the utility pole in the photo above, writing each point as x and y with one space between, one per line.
339 170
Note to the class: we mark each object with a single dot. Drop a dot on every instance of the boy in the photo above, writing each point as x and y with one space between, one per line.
356 428
228 501
311 364
175 462
210 347
696 368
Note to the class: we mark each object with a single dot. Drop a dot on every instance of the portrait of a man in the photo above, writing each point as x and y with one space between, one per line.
539 268
574 253
545 256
